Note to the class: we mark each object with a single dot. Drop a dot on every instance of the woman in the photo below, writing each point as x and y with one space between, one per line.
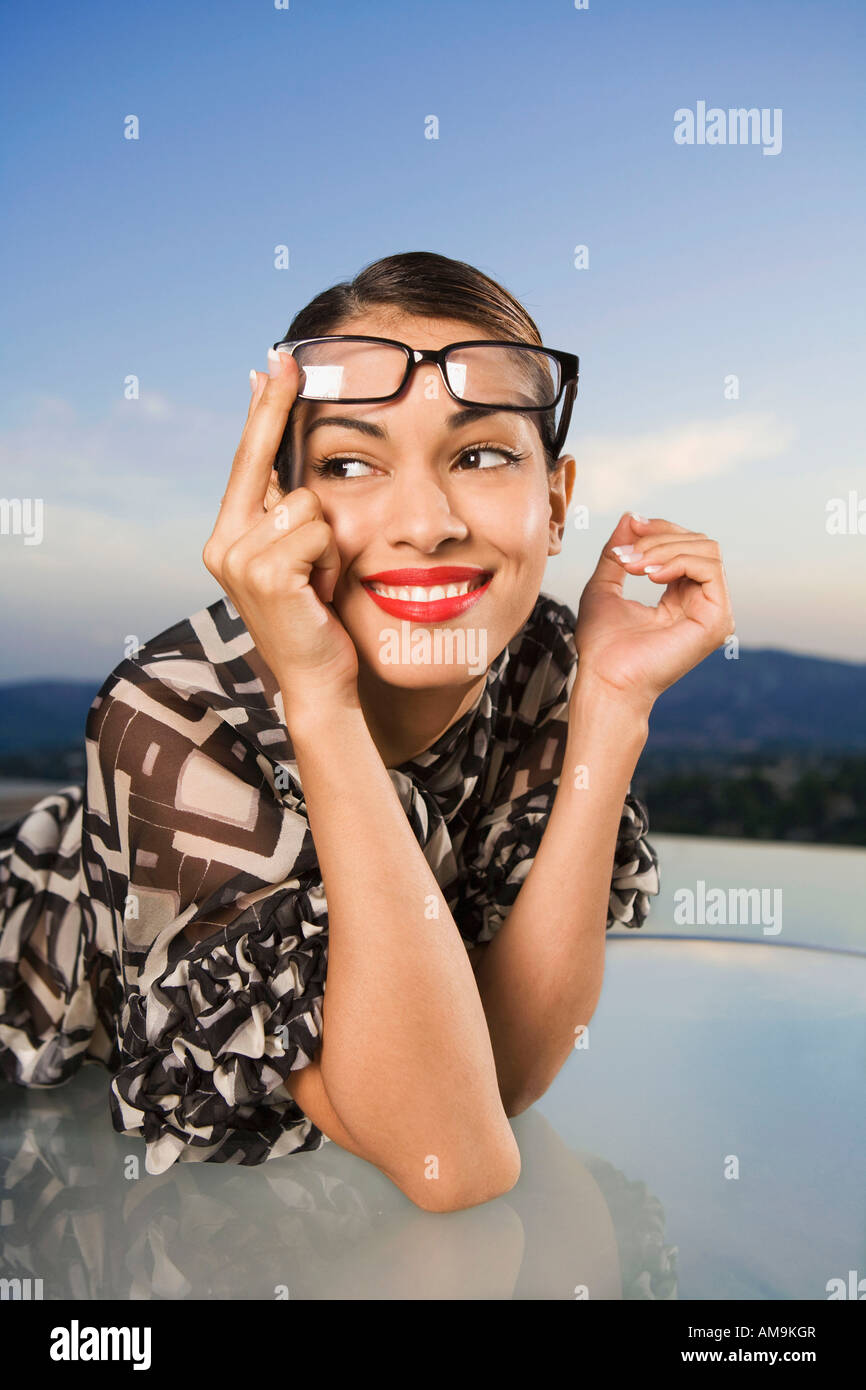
286 785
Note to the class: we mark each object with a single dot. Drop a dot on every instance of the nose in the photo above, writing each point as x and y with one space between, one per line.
420 507
420 510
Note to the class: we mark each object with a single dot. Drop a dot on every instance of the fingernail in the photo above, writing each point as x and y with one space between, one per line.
637 517
622 551
254 380
275 362
651 569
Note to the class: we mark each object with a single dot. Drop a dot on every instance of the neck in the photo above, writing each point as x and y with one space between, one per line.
404 723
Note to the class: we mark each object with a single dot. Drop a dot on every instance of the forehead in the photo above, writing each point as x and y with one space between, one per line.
413 329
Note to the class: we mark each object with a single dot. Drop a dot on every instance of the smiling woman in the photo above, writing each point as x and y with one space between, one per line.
271 805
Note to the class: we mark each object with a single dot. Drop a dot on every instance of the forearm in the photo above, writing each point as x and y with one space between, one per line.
406 1058
541 975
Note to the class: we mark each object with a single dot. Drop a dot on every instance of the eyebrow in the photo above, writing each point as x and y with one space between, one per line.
454 421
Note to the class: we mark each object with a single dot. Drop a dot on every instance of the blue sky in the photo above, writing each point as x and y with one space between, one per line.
305 126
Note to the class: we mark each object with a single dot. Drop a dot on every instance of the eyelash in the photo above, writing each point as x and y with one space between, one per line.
324 468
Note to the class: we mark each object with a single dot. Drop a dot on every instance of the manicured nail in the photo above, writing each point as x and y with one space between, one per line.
623 552
254 380
275 362
651 569
639 518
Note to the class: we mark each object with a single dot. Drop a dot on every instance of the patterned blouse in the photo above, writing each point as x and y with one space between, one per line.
168 918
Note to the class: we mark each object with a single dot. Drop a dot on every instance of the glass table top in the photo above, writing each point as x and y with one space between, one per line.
706 1143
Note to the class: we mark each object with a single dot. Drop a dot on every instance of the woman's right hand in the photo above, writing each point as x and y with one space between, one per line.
276 557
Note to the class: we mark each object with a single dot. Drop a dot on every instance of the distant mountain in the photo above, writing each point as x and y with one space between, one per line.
764 700
44 714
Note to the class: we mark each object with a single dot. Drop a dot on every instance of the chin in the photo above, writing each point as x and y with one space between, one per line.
417 656
424 676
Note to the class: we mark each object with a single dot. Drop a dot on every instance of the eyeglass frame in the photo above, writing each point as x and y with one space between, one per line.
569 366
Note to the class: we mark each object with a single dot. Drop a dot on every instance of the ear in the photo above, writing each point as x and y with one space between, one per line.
561 486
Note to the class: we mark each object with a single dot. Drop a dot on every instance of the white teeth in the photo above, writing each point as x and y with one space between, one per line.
416 594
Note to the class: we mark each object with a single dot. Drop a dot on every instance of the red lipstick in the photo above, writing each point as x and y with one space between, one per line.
432 574
437 610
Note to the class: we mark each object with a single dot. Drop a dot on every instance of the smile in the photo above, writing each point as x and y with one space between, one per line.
431 595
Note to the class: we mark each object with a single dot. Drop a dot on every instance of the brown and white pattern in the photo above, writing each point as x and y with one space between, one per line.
168 919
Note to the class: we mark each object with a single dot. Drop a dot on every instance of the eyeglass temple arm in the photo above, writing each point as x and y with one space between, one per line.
565 418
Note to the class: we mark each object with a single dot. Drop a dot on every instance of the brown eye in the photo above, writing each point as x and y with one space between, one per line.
327 468
496 451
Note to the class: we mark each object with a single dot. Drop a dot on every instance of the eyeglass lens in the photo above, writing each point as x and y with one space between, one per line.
499 375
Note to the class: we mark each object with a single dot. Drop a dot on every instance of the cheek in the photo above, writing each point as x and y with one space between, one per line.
517 526
350 534
348 530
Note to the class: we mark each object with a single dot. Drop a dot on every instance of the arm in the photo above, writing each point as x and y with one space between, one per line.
541 975
406 1060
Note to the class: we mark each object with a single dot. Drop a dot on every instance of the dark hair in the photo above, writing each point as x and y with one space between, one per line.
432 286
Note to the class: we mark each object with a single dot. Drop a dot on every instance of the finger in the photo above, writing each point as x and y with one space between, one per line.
651 552
282 562
707 572
661 535
608 572
257 385
254 459
288 511
294 513
652 525
316 545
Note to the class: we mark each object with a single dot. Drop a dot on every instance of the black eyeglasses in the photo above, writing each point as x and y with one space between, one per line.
482 372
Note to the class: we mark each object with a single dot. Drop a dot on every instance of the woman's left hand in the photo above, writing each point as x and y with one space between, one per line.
640 649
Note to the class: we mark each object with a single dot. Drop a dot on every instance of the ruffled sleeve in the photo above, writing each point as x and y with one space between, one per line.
635 868
505 842
209 1042
201 842
58 995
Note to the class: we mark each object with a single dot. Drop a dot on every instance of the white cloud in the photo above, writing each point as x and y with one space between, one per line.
95 579
137 452
612 470
129 500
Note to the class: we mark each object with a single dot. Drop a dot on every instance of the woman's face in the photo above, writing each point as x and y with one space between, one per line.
421 495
